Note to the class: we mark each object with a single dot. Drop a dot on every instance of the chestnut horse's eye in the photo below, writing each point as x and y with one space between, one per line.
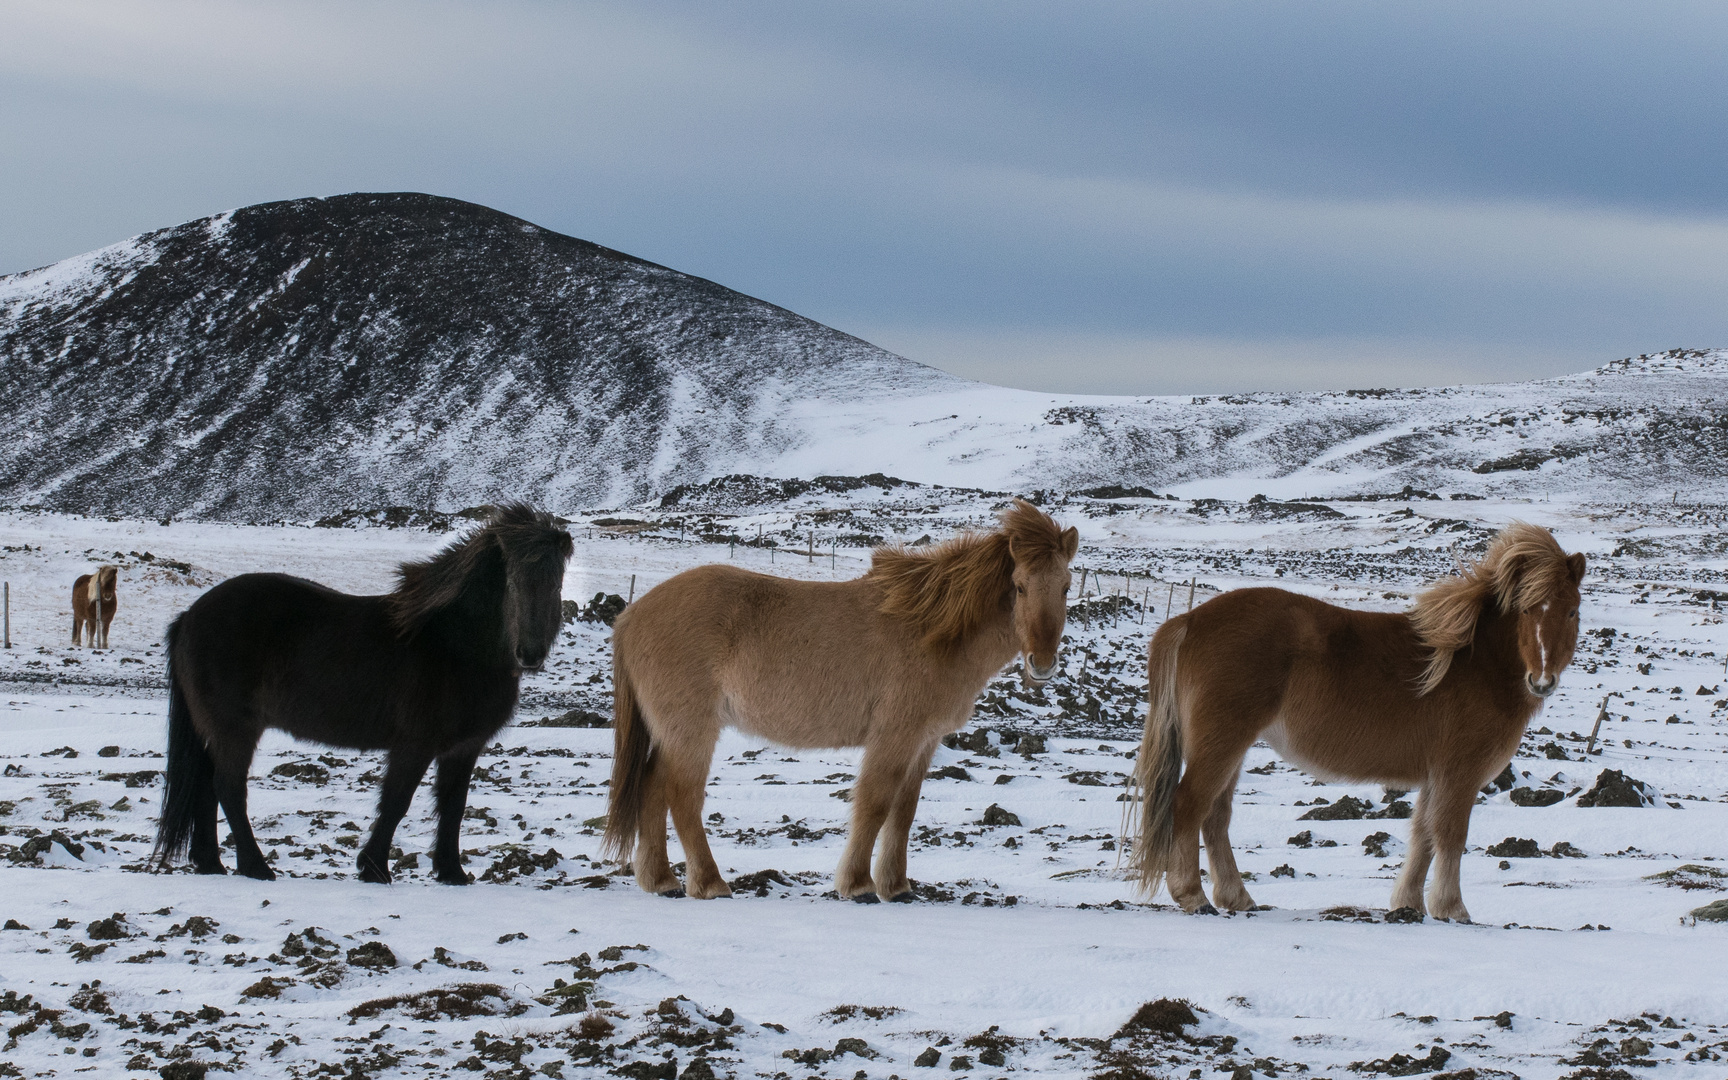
1065 589
1574 614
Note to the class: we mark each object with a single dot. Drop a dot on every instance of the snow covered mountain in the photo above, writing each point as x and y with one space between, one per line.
292 359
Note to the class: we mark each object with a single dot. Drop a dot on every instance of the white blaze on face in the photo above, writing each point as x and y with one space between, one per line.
1541 646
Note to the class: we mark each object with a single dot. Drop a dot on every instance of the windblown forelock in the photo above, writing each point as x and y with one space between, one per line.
1033 535
950 589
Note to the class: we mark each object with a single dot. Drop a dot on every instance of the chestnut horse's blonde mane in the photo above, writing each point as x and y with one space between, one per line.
1523 567
951 589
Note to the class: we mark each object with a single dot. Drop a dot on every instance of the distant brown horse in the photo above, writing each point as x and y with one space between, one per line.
93 604
890 661
1436 698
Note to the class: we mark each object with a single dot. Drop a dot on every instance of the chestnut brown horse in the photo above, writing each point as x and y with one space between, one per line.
94 603
1435 698
891 661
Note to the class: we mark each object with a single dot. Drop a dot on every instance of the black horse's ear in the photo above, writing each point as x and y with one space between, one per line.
1575 563
1070 542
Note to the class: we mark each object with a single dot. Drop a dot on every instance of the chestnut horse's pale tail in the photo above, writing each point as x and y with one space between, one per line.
1158 768
632 767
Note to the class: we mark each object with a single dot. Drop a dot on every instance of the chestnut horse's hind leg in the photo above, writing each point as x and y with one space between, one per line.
455 771
1408 892
683 790
1449 825
232 766
1228 892
1209 778
401 776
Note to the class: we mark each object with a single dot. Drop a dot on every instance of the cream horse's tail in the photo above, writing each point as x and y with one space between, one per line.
1158 768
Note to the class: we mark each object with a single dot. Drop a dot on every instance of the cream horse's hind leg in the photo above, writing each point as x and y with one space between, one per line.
685 792
1228 892
653 869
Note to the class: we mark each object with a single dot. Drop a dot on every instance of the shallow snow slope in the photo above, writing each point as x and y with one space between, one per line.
1026 952
289 360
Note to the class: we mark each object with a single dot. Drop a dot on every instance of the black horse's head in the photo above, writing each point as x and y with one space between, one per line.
535 552
508 574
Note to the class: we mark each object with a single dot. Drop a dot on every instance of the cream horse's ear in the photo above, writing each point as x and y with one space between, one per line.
1070 542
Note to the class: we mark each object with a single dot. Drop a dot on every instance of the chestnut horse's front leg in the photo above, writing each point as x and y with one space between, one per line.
1408 892
1449 824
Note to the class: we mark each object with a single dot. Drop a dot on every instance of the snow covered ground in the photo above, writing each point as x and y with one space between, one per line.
1027 952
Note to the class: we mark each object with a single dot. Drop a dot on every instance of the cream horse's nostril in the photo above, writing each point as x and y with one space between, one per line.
1044 675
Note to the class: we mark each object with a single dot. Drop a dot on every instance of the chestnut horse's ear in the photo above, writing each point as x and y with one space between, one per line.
1575 563
1070 542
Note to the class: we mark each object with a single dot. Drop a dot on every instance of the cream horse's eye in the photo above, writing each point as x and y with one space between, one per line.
1021 589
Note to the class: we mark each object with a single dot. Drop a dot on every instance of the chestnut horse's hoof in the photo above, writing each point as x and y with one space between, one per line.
372 871
866 898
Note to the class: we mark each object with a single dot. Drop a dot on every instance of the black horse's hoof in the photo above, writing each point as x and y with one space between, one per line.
258 873
672 894
209 868
866 898
1204 909
457 877
903 898
372 871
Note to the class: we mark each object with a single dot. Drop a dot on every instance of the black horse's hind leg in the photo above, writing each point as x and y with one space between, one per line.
206 852
230 785
455 770
401 777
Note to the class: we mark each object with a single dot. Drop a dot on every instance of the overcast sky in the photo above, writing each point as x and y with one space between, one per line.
1118 198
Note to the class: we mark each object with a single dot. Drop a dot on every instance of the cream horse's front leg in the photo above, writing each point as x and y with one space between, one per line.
891 880
880 784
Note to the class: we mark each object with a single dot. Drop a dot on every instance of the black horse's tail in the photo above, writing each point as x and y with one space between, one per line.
632 765
190 772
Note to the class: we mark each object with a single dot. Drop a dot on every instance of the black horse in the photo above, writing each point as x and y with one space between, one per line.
428 672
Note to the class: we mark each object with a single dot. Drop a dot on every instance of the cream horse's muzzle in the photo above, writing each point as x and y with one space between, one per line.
1030 669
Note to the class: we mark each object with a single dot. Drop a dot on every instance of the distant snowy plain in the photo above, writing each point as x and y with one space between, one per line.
765 984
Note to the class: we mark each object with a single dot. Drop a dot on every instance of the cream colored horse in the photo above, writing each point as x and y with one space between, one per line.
890 661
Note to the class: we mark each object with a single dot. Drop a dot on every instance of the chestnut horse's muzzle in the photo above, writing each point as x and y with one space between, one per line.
1541 687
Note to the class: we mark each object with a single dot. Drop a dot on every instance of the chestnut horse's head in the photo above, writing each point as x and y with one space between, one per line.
1527 576
1041 551
1548 628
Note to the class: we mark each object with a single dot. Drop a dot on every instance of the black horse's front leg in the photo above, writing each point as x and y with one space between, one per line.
401 776
455 770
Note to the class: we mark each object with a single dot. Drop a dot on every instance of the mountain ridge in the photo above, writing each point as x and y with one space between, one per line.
294 359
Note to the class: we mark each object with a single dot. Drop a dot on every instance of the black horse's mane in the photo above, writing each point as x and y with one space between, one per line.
515 530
